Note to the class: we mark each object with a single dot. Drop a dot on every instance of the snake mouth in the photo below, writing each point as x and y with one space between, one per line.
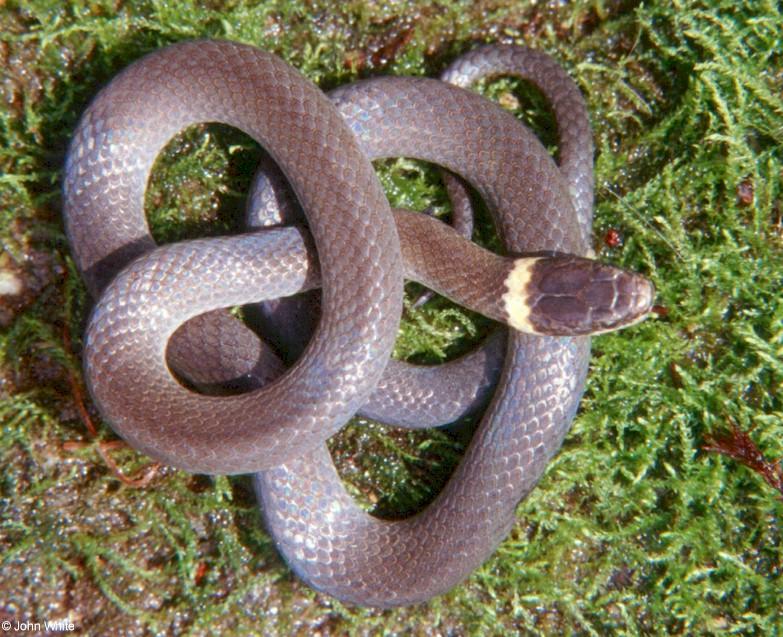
566 295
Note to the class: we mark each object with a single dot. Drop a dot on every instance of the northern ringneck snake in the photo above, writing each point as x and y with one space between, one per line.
159 338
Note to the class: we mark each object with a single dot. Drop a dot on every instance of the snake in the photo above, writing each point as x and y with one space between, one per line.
179 377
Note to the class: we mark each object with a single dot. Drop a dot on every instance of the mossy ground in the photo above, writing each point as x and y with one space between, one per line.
635 528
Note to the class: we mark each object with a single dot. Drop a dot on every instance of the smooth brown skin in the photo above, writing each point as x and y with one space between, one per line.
325 154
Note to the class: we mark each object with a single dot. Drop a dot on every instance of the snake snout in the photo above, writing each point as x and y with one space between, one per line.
565 295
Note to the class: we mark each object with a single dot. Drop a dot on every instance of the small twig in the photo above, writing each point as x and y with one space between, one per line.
737 444
138 480
76 388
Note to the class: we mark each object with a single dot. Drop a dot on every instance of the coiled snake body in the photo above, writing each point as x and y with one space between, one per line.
136 337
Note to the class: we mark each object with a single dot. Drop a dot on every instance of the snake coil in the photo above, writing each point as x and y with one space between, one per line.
159 337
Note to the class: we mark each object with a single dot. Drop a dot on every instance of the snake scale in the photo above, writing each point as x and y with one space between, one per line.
160 339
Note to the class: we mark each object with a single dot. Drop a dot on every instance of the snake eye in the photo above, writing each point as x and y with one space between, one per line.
564 295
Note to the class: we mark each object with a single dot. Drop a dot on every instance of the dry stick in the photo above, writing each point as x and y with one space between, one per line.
737 444
138 480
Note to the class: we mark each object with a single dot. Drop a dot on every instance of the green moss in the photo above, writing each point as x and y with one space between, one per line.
635 529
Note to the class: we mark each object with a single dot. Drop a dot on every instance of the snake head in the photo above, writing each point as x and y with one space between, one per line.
567 295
